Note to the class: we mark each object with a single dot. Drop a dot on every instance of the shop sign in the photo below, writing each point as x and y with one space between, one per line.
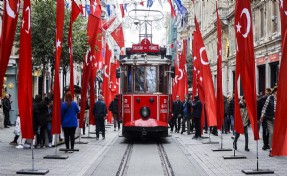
273 57
260 61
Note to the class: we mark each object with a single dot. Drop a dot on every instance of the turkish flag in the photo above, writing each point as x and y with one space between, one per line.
122 10
96 8
92 89
245 64
9 22
106 79
171 9
93 24
206 79
99 44
283 17
87 64
108 24
25 74
74 14
175 82
195 65
56 120
279 141
219 94
118 36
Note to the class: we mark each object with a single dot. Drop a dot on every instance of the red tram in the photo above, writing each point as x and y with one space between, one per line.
145 74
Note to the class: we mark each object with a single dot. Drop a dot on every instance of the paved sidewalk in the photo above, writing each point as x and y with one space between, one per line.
13 159
79 163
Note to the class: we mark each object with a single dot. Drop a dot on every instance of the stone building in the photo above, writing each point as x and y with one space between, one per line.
267 40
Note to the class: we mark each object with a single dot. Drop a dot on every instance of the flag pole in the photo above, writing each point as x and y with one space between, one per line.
33 171
80 142
210 142
56 156
257 170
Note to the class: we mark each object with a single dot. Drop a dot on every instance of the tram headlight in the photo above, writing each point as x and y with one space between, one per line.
145 112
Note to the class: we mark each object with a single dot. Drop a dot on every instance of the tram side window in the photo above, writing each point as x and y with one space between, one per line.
130 76
162 79
151 78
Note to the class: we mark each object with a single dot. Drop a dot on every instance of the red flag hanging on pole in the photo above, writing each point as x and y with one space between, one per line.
118 36
9 22
245 63
171 9
85 81
74 14
279 141
182 78
25 74
122 10
106 79
174 82
56 121
96 8
92 89
219 94
93 25
206 78
195 65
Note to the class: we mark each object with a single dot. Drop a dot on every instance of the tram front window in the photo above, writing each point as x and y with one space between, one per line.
140 79
151 78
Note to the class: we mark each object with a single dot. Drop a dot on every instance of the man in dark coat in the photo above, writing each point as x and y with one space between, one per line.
176 114
196 115
100 112
260 103
186 111
6 108
113 107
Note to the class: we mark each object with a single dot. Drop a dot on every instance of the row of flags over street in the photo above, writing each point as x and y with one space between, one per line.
213 104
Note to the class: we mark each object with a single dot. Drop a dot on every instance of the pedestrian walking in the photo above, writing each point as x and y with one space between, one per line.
100 113
17 131
268 114
196 115
176 114
69 111
113 107
1 115
186 111
245 121
6 109
260 104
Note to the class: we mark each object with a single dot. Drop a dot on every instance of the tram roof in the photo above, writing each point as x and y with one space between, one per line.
143 59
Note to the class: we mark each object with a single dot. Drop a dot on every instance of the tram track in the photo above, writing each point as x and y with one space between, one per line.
165 163
122 170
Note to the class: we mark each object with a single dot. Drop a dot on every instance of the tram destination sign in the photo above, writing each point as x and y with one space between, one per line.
145 47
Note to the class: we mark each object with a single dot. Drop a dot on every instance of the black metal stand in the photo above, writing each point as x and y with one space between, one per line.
56 156
66 150
257 170
234 156
89 137
209 142
80 142
33 171
221 145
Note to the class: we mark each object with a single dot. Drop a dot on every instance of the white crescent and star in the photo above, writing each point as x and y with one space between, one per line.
29 19
181 74
200 53
58 44
9 11
248 18
105 71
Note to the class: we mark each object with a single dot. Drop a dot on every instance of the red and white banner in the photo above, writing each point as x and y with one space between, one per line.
206 79
74 14
25 74
9 22
56 120
245 65
219 94
279 142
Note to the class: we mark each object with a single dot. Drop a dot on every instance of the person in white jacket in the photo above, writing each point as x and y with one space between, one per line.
17 131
